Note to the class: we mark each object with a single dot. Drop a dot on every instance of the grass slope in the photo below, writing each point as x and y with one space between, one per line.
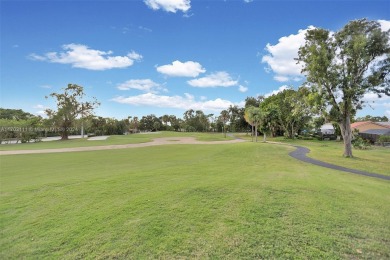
188 201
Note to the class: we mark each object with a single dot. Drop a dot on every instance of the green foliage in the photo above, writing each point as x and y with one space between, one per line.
384 139
359 143
70 106
149 123
257 118
23 130
224 118
372 118
287 110
14 114
196 121
341 67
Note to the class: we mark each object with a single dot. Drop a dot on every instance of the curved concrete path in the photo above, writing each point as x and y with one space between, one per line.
300 154
157 141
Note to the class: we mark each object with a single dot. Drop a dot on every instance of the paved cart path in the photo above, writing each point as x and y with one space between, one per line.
300 154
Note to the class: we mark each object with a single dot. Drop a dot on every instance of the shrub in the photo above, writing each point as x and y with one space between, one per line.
384 138
360 143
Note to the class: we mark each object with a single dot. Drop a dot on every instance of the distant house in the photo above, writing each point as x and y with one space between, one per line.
327 132
374 134
372 130
327 129
368 125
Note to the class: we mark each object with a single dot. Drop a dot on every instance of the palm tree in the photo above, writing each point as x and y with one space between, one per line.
256 116
224 117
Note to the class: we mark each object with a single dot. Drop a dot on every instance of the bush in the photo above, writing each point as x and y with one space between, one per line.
360 143
384 138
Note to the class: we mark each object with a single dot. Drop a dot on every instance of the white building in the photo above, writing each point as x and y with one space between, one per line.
327 129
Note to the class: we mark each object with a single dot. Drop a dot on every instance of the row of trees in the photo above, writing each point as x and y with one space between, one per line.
289 112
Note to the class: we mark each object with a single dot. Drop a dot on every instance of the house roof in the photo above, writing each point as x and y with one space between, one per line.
358 124
377 132
385 124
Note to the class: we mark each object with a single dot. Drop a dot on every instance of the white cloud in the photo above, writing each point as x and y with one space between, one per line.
372 100
181 69
146 29
388 113
46 86
280 57
169 5
384 24
37 57
373 97
274 92
242 89
39 106
41 110
185 102
218 79
146 85
281 78
81 56
248 1
41 113
134 56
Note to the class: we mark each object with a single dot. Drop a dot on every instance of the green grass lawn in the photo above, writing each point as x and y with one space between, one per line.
112 140
231 201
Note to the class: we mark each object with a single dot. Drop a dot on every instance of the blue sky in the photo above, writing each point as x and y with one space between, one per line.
164 56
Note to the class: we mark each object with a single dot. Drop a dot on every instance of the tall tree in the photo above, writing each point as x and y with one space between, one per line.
150 123
249 120
287 110
224 118
234 115
343 66
254 102
257 117
69 107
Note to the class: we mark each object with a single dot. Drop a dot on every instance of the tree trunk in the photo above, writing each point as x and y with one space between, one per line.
292 131
346 132
252 134
264 137
256 132
64 135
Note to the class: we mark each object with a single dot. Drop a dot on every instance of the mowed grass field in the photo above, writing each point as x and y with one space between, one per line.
227 201
112 140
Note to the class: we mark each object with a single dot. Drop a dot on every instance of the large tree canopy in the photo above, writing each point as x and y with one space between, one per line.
342 67
69 107
287 110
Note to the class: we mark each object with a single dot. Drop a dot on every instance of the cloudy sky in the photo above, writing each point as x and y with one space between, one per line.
164 56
